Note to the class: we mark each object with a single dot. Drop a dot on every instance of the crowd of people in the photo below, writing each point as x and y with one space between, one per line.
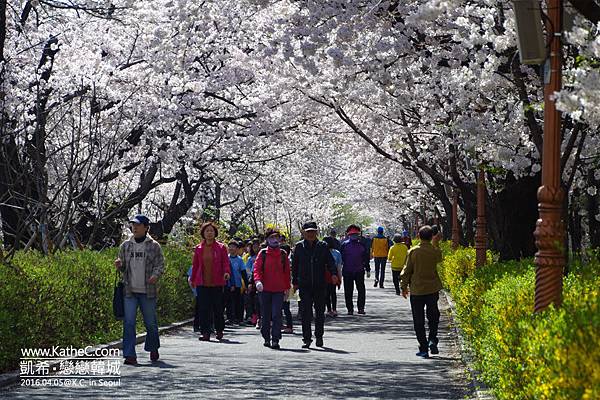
252 282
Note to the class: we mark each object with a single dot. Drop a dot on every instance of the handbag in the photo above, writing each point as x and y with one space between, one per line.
119 298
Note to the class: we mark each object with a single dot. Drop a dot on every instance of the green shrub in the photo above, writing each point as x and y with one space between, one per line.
65 299
521 355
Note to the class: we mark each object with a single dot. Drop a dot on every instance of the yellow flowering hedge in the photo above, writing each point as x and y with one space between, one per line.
551 355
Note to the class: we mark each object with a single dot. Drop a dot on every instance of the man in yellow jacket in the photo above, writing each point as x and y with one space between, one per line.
397 257
379 251
421 276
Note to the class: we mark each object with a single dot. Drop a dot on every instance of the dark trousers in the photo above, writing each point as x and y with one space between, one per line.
249 299
313 297
418 303
211 308
380 269
350 279
331 301
233 304
396 279
289 321
271 303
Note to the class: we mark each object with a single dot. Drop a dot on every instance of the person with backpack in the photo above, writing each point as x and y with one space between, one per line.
311 258
142 263
379 252
272 278
355 261
397 257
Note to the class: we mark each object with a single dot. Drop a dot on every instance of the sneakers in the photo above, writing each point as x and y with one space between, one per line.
306 345
219 335
275 345
204 338
362 312
433 347
267 343
130 361
423 354
154 355
319 342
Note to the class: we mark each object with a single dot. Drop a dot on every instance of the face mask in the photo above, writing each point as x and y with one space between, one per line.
353 236
273 242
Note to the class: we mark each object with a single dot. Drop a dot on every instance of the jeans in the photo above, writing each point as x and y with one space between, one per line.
271 304
331 302
380 269
211 308
396 279
148 307
312 297
349 279
418 303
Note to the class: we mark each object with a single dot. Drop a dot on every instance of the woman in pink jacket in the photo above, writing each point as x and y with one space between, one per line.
272 278
210 270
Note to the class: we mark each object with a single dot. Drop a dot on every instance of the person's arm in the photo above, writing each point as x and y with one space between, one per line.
390 256
406 274
295 265
259 271
159 266
120 261
226 265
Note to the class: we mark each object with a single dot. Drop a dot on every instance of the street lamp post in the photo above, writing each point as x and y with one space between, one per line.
550 228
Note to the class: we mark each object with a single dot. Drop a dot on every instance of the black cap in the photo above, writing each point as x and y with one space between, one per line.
310 226
140 219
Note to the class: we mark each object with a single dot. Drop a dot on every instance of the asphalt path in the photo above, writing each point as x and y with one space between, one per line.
368 356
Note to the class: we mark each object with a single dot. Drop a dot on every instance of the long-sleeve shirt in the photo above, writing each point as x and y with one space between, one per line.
397 256
238 272
355 257
420 272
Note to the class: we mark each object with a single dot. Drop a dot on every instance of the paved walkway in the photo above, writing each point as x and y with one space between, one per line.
365 356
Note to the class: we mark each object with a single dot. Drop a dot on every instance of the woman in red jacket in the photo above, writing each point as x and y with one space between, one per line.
210 271
272 278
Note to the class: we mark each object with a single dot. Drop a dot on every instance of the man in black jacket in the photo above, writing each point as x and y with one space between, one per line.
310 259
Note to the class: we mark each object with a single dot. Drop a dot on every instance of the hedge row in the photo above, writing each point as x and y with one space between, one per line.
551 355
66 300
